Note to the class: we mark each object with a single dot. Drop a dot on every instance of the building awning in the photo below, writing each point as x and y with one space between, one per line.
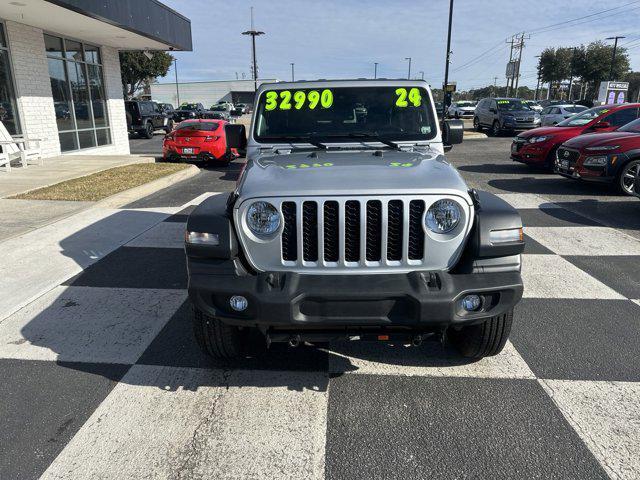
123 24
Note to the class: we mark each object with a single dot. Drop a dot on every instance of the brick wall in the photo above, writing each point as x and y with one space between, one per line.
35 102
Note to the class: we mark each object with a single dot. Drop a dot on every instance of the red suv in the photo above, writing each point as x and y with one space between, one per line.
605 157
538 146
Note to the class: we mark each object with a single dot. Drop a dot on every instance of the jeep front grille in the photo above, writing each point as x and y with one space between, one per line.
346 233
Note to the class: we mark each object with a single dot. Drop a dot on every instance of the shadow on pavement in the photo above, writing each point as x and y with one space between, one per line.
553 185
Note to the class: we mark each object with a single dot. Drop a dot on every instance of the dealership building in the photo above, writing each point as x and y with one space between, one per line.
60 71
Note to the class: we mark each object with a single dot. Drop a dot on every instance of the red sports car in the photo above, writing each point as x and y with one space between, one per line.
538 146
605 157
198 139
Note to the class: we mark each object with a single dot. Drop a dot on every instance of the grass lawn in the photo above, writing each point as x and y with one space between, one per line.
103 184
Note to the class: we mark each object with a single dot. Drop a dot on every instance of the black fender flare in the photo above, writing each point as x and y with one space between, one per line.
213 216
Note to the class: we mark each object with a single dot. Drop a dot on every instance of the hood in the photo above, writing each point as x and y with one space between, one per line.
355 172
600 139
563 131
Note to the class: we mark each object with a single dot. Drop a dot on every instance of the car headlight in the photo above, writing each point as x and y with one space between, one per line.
443 216
263 218
542 138
597 161
603 148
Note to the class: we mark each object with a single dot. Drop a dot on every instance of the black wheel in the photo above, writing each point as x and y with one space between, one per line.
495 129
218 339
484 339
476 124
626 177
148 130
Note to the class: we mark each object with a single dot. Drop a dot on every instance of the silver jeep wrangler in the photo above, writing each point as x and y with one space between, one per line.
349 223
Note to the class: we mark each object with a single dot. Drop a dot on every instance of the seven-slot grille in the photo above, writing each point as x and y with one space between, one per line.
353 232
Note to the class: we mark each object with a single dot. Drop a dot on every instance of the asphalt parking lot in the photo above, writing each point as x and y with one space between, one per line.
102 377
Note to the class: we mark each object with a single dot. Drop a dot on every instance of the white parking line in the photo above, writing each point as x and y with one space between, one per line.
595 241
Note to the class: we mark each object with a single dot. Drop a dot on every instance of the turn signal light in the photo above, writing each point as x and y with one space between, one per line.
497 237
210 139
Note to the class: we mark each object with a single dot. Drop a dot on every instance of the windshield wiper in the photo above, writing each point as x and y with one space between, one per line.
376 137
309 140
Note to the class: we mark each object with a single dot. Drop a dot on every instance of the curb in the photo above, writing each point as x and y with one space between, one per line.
127 196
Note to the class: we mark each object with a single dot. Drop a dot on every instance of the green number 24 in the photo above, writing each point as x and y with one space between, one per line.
300 97
405 97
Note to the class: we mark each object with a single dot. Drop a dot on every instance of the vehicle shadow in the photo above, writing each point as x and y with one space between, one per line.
502 168
553 185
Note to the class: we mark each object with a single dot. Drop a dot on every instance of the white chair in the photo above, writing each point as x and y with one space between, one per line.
19 147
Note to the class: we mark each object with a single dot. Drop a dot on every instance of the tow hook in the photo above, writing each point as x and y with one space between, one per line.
416 341
294 341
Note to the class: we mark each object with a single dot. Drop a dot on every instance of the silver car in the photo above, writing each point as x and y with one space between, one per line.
348 223
462 109
554 114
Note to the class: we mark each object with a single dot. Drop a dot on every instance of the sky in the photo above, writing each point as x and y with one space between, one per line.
343 38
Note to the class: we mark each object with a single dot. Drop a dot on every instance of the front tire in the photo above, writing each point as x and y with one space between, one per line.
476 124
148 130
495 129
484 339
217 339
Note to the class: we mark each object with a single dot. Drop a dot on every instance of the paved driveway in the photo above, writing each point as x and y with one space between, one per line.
102 377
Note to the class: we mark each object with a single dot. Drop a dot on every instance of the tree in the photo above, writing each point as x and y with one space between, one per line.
136 68
634 85
594 65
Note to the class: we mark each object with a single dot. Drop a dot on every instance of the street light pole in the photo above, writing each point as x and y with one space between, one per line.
446 65
175 69
254 33
375 70
293 77
409 73
613 57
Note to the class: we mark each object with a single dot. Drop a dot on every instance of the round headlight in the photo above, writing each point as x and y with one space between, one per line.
443 216
263 218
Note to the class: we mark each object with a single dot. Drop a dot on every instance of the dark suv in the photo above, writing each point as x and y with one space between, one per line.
504 114
189 111
145 117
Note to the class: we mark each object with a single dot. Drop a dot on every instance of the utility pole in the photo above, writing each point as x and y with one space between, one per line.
375 69
520 47
512 41
613 58
409 73
535 96
293 76
254 33
175 69
495 86
446 98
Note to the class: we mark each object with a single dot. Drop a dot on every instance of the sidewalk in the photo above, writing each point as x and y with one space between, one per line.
59 169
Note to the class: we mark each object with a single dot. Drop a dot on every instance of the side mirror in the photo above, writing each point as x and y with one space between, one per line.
236 136
452 133
602 124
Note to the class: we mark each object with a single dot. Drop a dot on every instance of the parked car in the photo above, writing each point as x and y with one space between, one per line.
504 114
557 113
612 158
538 146
534 105
198 139
548 103
244 108
223 109
287 258
144 118
167 108
439 106
462 109
188 111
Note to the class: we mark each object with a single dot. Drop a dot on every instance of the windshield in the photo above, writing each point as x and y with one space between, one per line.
200 126
466 104
512 105
575 109
393 112
633 127
189 106
584 117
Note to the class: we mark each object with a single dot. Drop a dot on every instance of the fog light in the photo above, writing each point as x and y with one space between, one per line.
238 303
471 303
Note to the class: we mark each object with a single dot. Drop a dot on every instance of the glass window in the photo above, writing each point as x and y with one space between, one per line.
61 95
8 107
77 84
622 117
73 50
53 46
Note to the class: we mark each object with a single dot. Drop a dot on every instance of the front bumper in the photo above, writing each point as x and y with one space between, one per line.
529 153
419 301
